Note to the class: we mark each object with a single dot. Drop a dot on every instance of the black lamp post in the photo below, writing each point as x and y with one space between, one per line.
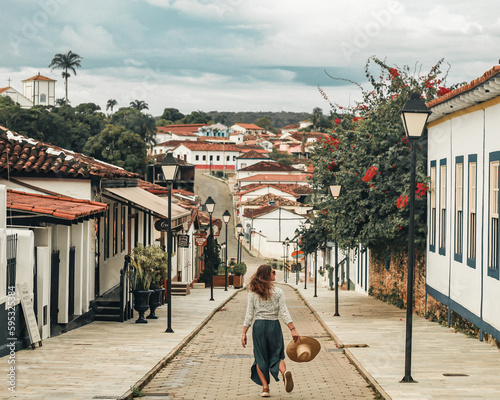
335 190
210 205
240 240
169 168
239 229
287 242
225 217
316 215
414 114
307 226
284 260
297 257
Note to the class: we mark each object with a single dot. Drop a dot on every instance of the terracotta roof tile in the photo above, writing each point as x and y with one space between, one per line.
56 206
256 212
39 77
4 89
266 199
276 177
23 155
269 166
202 146
476 82
250 126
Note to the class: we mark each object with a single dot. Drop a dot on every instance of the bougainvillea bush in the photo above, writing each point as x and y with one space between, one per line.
367 153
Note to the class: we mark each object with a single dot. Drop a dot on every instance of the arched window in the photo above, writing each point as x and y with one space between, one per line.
43 98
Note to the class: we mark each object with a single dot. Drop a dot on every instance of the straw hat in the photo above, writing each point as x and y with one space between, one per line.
305 351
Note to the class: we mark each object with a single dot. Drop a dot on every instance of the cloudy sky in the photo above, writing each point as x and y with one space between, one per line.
239 55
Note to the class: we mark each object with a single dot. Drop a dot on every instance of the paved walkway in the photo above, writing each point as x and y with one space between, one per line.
214 365
437 350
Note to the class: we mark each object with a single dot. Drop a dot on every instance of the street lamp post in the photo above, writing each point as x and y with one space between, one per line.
284 260
297 257
287 242
225 217
307 225
335 190
240 240
210 205
239 229
169 168
414 115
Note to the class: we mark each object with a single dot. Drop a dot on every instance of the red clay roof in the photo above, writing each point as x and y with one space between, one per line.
291 126
275 177
256 212
202 146
286 188
180 129
254 154
250 126
23 155
269 166
39 77
56 206
265 199
4 89
476 82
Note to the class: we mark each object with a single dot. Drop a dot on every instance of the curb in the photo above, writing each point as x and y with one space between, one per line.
364 373
152 373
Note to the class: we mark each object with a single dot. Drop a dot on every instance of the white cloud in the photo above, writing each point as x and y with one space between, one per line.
90 40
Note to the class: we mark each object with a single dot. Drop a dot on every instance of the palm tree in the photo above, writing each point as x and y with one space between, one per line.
139 105
66 62
111 104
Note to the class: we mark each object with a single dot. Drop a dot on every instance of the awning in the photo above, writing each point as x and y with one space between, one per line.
147 201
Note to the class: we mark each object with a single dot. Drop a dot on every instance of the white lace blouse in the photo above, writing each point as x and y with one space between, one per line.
270 309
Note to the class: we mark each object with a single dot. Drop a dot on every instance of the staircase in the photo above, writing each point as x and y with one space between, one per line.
180 289
106 309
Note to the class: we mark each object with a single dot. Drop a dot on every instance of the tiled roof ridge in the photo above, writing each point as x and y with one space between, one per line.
38 77
271 197
276 186
465 88
275 166
26 154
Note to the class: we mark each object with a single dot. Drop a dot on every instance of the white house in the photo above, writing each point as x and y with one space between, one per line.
246 129
262 190
250 158
16 97
208 156
266 167
273 199
463 204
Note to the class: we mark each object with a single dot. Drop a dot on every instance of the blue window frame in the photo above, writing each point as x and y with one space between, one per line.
493 212
432 214
459 209
442 206
472 211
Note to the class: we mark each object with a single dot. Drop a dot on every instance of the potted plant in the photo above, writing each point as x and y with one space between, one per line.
140 280
240 270
153 260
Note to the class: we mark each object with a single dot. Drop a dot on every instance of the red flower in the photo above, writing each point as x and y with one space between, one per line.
337 121
356 119
372 171
421 190
394 73
402 201
442 91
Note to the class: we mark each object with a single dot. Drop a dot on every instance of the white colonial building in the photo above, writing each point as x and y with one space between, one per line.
37 90
463 237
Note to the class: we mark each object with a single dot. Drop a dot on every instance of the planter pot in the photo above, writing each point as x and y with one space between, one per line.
220 281
154 303
141 304
238 281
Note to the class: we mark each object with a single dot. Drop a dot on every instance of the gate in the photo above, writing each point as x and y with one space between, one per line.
54 287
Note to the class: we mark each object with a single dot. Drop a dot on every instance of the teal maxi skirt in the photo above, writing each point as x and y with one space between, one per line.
268 349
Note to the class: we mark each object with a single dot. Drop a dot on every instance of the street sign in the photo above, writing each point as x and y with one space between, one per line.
300 252
200 239
183 241
161 225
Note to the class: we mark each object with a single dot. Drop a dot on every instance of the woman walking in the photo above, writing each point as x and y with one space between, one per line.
266 303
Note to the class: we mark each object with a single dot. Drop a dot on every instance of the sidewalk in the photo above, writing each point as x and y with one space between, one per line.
103 360
437 350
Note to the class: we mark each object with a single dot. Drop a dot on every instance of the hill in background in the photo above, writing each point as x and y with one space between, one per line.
278 119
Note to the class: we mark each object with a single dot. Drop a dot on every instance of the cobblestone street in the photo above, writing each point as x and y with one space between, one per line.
215 366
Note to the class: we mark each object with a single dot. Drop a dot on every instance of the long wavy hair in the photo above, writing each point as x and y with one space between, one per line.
261 283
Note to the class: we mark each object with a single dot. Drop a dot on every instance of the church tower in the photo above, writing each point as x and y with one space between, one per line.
40 90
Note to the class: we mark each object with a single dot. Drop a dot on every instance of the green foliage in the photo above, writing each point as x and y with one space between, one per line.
265 123
366 153
278 119
173 115
212 260
196 117
134 120
140 278
120 147
240 269
282 158
67 62
154 261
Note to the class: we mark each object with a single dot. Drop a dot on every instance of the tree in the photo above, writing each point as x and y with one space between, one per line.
173 115
66 62
281 157
120 147
316 117
137 122
265 123
139 105
366 153
196 117
111 104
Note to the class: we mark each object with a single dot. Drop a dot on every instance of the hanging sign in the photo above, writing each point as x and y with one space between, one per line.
183 241
200 239
161 225
29 314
